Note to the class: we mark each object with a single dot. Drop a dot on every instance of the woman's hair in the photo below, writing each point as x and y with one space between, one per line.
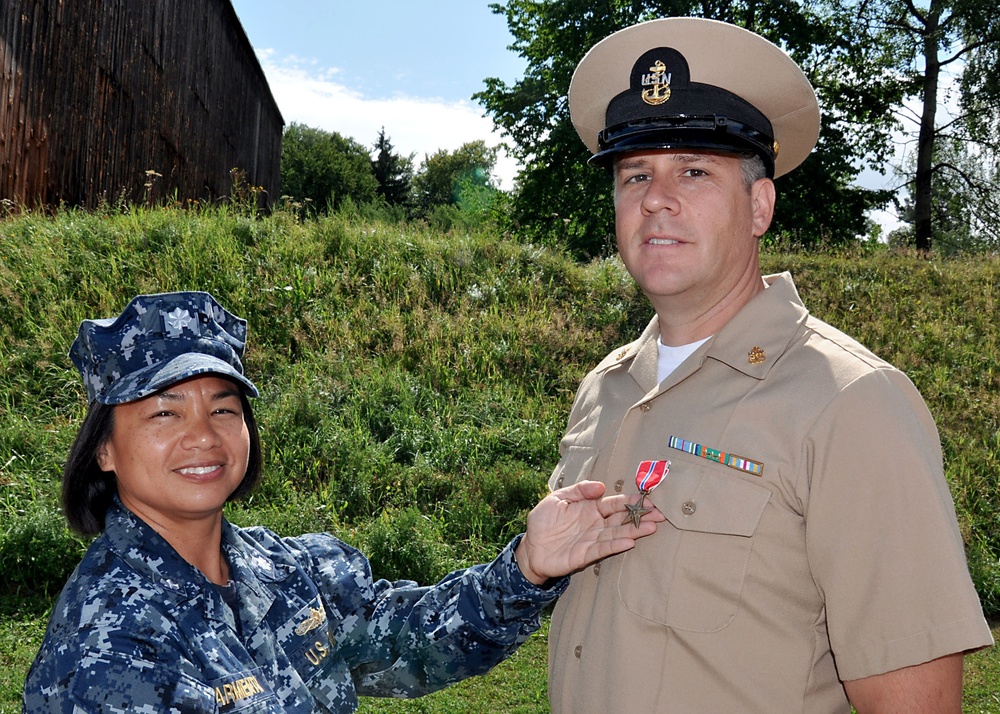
87 491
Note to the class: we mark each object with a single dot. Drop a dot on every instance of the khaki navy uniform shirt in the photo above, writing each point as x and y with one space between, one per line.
138 629
810 535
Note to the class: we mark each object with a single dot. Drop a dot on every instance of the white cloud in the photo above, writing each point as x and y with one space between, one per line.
310 94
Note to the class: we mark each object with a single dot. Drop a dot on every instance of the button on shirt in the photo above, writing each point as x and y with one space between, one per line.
139 629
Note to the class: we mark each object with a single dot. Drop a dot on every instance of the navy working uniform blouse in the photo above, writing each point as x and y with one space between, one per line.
139 629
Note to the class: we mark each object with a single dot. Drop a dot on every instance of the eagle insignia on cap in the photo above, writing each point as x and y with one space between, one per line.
658 82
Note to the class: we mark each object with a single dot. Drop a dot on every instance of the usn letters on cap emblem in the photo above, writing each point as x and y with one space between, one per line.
657 83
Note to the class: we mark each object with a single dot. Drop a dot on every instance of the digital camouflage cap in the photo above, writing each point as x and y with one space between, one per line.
156 341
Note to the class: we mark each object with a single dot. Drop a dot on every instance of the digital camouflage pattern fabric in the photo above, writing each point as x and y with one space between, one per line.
158 340
138 629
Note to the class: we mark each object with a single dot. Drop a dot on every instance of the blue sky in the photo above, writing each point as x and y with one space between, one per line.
353 66
412 66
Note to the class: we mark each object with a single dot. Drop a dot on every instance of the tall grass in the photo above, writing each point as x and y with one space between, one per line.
415 383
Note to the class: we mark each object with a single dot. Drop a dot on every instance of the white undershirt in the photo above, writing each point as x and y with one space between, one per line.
670 357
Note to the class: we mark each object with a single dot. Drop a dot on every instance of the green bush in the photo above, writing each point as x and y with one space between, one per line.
37 555
406 544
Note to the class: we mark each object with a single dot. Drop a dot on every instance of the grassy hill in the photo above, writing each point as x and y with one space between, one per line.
415 385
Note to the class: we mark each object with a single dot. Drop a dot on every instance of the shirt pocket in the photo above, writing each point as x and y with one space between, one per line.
575 465
306 639
690 575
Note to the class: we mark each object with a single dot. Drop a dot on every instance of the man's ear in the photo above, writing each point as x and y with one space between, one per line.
762 195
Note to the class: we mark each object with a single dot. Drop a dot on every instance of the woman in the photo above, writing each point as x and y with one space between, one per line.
175 609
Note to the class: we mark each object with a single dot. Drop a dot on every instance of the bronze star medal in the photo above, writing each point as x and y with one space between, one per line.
647 477
636 510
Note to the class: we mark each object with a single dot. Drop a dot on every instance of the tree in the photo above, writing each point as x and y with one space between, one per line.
965 211
560 197
929 37
444 176
392 171
325 168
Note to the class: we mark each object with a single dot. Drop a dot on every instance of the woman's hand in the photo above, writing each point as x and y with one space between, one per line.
574 526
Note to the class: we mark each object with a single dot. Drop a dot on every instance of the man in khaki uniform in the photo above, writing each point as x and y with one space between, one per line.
811 555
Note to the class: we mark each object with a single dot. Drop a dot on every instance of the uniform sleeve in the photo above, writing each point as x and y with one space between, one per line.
882 537
402 640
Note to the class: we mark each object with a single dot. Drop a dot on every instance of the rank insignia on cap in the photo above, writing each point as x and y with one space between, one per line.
657 83
177 320
681 83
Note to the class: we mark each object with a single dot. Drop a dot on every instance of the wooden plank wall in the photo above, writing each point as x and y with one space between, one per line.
95 93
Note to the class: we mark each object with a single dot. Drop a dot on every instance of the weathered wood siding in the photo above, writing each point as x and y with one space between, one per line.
95 93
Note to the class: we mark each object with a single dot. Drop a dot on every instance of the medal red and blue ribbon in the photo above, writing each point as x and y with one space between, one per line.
649 474
647 477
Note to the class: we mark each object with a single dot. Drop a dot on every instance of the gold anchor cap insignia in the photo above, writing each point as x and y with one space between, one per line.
317 616
658 82
756 356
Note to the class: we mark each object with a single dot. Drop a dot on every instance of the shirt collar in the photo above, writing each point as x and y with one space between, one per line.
757 336
149 554
751 342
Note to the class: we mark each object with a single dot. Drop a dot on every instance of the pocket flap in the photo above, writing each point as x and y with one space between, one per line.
698 499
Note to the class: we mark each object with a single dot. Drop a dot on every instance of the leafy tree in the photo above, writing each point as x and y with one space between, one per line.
325 168
965 210
444 177
392 171
929 37
561 197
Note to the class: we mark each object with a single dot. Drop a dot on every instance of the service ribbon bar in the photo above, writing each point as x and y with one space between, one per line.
731 460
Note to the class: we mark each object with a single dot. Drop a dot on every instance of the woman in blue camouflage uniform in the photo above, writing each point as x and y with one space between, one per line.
174 609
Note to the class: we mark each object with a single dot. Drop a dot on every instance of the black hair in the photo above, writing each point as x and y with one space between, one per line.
88 491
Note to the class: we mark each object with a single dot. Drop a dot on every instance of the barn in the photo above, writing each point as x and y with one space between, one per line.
137 101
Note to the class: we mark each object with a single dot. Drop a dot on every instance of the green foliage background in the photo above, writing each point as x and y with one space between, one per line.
415 384
324 168
563 201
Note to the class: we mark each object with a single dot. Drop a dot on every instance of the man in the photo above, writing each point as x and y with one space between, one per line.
811 558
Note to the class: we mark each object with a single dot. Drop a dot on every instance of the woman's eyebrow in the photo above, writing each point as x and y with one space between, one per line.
178 396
